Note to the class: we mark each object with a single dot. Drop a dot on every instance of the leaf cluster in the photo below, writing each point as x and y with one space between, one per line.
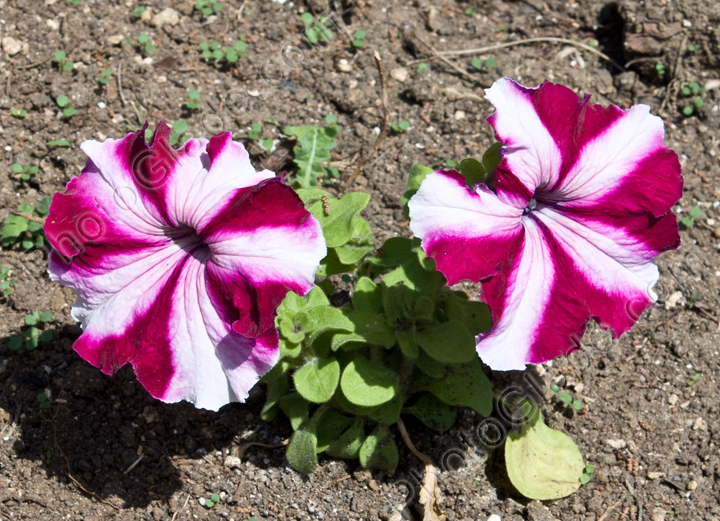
208 7
17 228
404 344
64 103
25 173
693 215
60 57
211 51
5 283
312 153
31 336
320 30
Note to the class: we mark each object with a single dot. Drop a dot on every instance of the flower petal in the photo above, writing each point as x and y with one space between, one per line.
469 234
264 244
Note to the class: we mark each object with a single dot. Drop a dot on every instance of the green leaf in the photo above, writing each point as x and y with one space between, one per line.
14 226
143 38
490 62
473 314
477 63
473 171
465 385
46 336
17 168
543 463
418 173
15 343
43 206
62 101
448 342
338 224
359 245
389 412
315 145
695 212
585 478
307 18
565 398
30 320
430 366
179 126
331 265
688 222
69 111
491 160
59 143
295 408
368 383
68 66
59 55
317 380
328 318
379 450
434 413
373 328
408 342
301 452
276 389
367 296
348 445
330 426
31 343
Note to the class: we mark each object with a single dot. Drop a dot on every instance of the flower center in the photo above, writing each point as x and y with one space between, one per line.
530 207
188 239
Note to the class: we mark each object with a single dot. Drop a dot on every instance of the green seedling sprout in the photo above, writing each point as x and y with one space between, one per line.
59 143
30 338
64 103
25 172
20 229
478 64
660 69
359 39
693 215
694 47
138 11
694 380
144 41
74 3
422 66
470 12
451 163
211 51
61 59
400 127
44 401
5 283
208 7
105 77
18 113
586 475
177 133
314 31
194 102
255 130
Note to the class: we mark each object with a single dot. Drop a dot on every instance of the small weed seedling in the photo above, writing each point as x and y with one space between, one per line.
211 501
585 478
470 12
693 215
138 11
145 43
256 134
694 380
25 172
211 51
359 39
30 338
5 283
422 66
105 77
18 113
694 47
177 133
61 143
317 30
400 127
74 3
312 153
208 7
18 228
194 102
451 163
64 103
660 69
44 400
694 91
478 64
567 398
61 59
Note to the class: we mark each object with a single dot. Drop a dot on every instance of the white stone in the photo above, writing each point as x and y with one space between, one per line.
167 16
233 462
673 399
616 444
12 46
460 114
494 517
146 16
699 425
115 39
344 65
399 74
53 24
673 299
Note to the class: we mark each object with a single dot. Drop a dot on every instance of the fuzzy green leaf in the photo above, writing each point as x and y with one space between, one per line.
348 445
473 314
367 296
317 380
301 452
276 389
338 224
379 450
473 171
360 243
295 408
368 383
543 463
330 426
389 412
418 173
315 145
433 413
465 385
448 342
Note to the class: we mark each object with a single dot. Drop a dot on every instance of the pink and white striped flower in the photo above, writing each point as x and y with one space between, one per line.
579 213
179 260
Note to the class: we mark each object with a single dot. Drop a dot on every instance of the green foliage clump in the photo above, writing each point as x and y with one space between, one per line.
693 215
694 91
145 43
5 283
31 335
312 153
177 133
359 39
63 62
18 113
25 173
20 229
211 51
404 344
138 11
64 103
478 64
208 7
105 76
316 31
402 126
194 96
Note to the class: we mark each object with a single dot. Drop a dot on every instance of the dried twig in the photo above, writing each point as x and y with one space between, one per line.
535 40
429 496
383 125
246 446
440 56
610 509
29 217
30 66
183 508
119 83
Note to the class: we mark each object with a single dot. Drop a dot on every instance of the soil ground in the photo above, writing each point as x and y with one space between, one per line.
651 436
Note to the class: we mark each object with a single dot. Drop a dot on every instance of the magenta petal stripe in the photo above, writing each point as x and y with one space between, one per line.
179 259
581 210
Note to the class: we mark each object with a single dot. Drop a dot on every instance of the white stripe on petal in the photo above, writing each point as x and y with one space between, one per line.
507 345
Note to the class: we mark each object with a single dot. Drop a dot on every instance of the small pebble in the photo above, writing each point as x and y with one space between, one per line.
716 232
202 501
344 65
692 485
673 399
460 114
399 74
494 517
101 105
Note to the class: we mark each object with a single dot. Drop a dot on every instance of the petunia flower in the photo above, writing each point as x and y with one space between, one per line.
579 211
179 260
